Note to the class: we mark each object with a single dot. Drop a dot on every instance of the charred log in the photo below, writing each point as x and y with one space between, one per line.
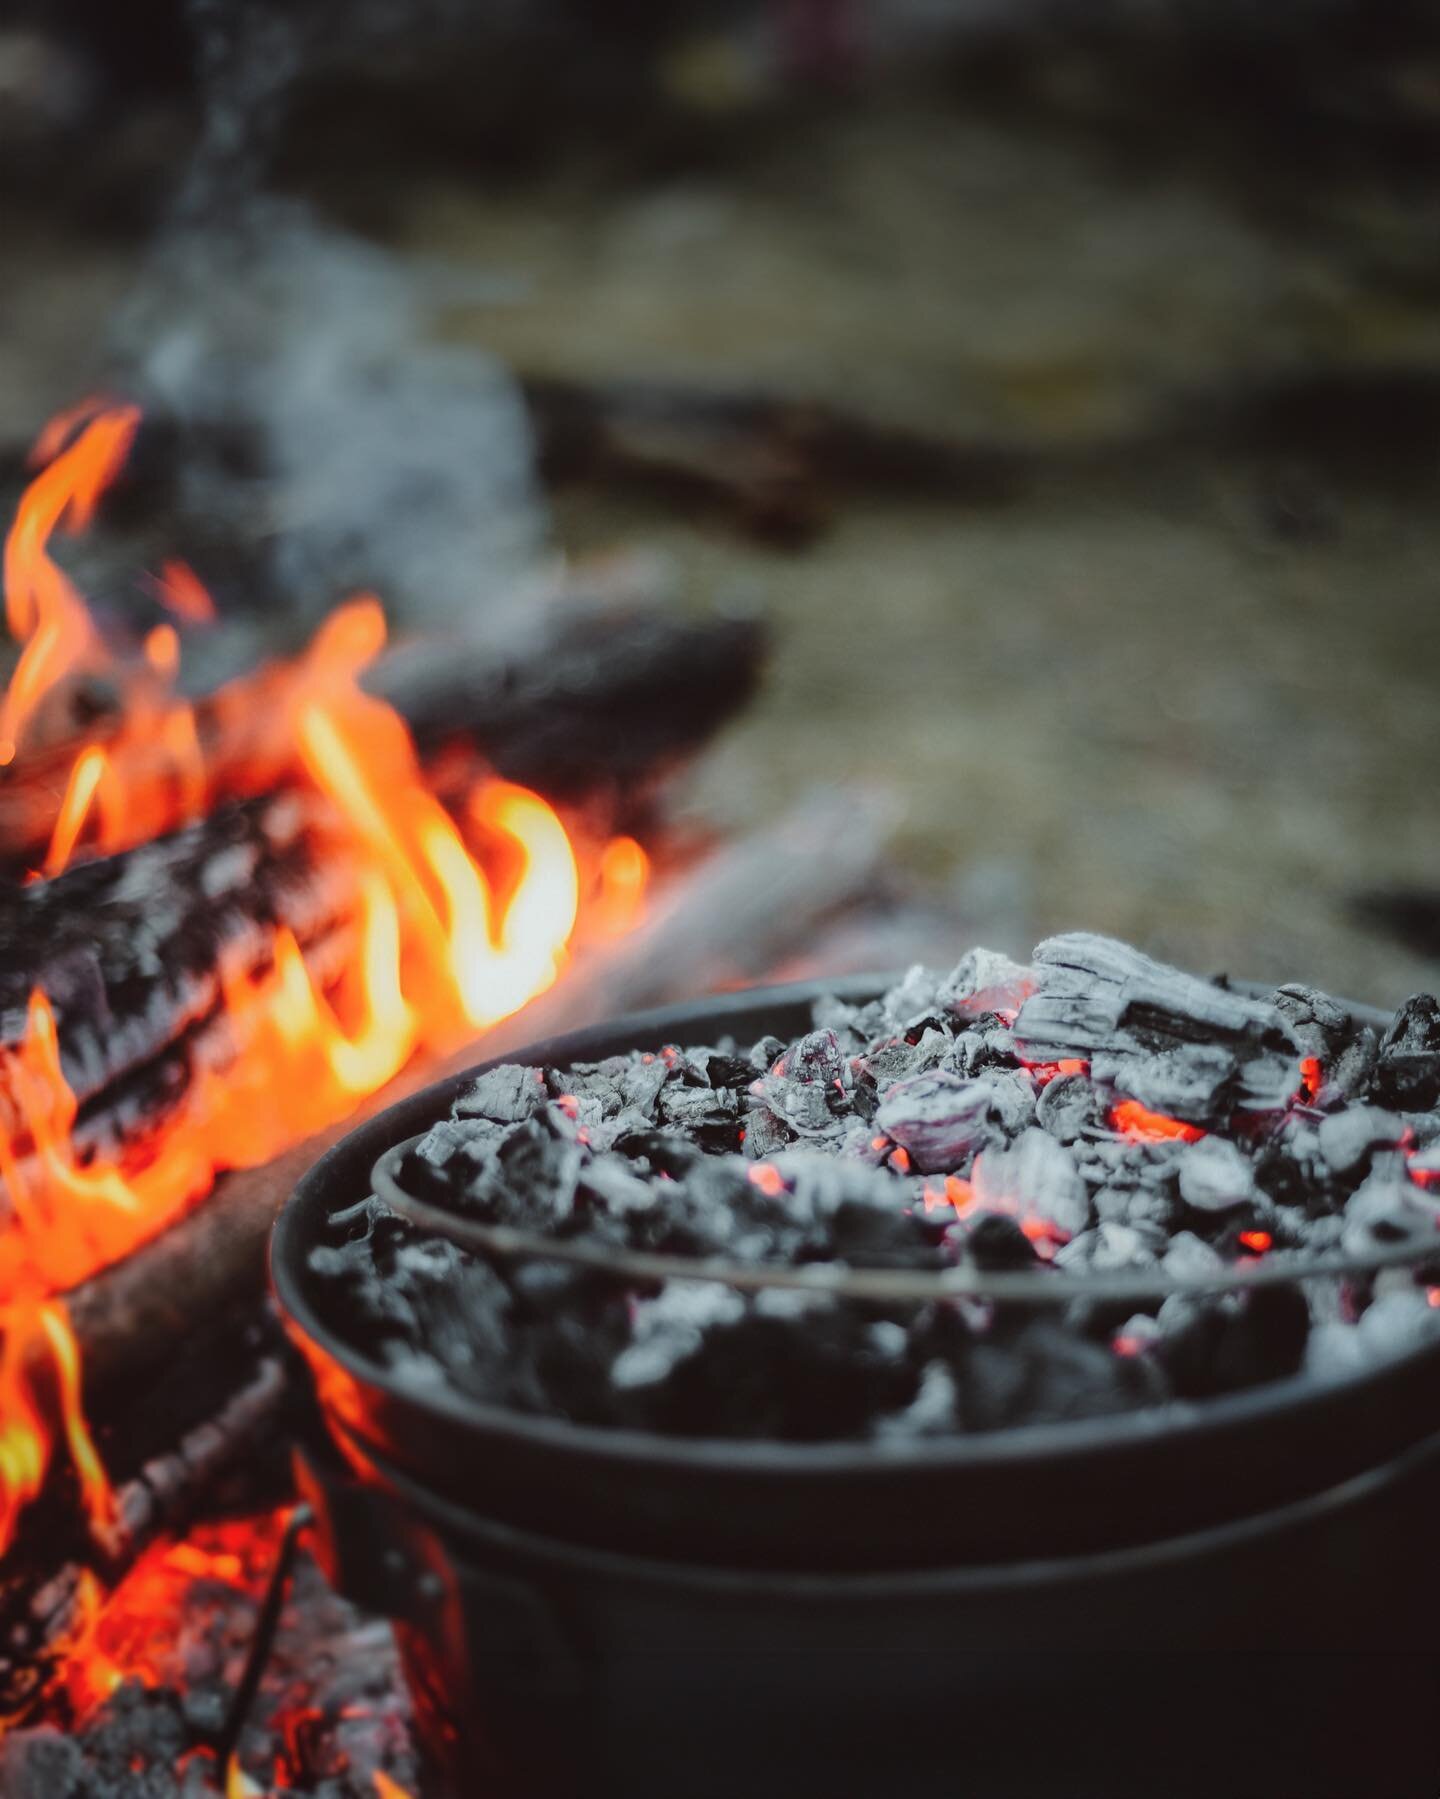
592 700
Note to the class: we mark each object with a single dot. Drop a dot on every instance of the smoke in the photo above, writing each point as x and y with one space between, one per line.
322 425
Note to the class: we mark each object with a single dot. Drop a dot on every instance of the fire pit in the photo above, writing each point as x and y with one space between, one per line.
706 1614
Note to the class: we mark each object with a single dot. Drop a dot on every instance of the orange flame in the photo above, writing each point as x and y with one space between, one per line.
42 608
181 590
387 1788
443 945
39 1349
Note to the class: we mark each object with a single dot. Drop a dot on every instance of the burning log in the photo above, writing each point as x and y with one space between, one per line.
593 701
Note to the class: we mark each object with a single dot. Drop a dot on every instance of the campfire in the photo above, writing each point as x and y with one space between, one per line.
233 918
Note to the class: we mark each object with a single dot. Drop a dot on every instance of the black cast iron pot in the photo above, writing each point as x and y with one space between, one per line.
1235 1596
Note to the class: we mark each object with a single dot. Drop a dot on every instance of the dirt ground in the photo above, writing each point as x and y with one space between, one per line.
1180 691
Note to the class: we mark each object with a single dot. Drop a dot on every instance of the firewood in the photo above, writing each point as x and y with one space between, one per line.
589 698
131 950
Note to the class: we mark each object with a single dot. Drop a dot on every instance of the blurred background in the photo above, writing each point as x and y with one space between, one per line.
1060 381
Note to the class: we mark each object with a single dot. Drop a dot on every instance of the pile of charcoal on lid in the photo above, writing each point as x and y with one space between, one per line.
1093 1113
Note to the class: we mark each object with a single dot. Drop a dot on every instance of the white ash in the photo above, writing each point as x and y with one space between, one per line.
929 1126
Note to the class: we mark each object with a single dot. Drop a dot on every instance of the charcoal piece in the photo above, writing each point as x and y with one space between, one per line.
1321 1025
1215 1175
985 981
764 1133
612 1180
726 1070
787 1369
698 1109
539 1171
447 1141
814 1058
41 1764
940 1120
803 1106
1035 1176
1069 1106
1188 1257
505 1095
462 1320
894 1060
1096 997
994 1242
1192 1083
1288 1179
1347 1140
1228 1345
1407 1070
1119 1246
1396 1322
1042 1373
914 1000
1349 1076
1146 1208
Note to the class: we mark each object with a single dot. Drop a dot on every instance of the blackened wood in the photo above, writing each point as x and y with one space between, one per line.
1174 1042
131 950
589 698
776 463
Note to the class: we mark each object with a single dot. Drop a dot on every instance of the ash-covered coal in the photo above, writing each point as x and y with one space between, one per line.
1095 1112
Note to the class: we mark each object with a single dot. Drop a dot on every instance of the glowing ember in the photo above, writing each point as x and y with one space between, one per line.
1312 1076
1257 1242
953 1192
1134 1122
458 922
181 590
1042 1073
769 1180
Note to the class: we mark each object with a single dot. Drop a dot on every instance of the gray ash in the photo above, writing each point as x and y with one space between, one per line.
1096 1111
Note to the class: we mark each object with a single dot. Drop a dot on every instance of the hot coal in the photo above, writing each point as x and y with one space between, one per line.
1095 1112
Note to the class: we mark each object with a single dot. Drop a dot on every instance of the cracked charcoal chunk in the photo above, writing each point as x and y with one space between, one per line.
1069 1106
985 981
1046 1374
1407 1070
1097 998
505 1094
942 1120
1321 1025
